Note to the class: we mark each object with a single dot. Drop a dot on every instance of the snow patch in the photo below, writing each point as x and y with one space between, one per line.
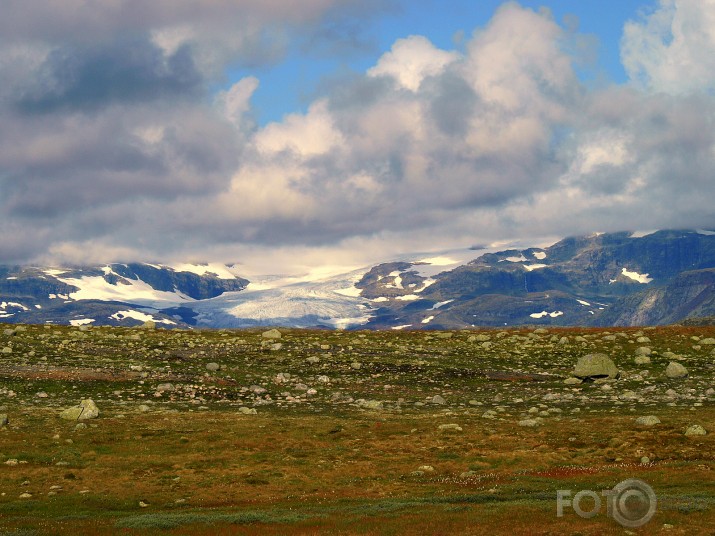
81 321
440 304
635 276
401 327
699 231
641 234
408 297
219 270
542 314
428 320
137 291
583 302
540 255
520 258
380 299
530 267
10 278
137 315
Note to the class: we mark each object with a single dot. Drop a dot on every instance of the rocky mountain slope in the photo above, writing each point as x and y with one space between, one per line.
603 279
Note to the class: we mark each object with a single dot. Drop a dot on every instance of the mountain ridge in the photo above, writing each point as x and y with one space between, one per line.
622 278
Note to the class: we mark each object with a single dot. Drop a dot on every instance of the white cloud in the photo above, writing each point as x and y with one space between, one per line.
411 60
672 49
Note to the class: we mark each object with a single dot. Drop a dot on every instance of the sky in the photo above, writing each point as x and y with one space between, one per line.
286 136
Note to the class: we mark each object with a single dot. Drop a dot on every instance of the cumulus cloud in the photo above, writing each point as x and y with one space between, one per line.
672 49
114 146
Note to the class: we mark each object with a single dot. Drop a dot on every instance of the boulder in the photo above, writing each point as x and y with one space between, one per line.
86 409
695 430
271 334
594 366
676 370
648 420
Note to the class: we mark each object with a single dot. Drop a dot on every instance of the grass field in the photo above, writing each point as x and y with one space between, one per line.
467 432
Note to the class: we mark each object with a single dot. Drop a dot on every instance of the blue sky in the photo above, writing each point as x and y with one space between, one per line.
344 132
291 84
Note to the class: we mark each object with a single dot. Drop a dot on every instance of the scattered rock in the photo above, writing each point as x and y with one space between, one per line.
529 423
695 430
593 366
247 411
213 367
676 370
437 399
573 381
4 421
86 409
647 420
271 334
644 350
642 360
450 428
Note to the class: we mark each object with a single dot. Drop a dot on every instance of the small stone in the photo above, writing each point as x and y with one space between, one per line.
573 381
4 421
695 430
355 365
642 360
426 468
247 411
86 409
271 334
645 460
450 428
529 423
676 370
643 350
437 399
213 367
313 360
648 420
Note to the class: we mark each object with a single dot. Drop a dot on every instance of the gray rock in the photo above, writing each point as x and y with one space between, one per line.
271 334
642 360
437 399
313 360
594 366
213 367
528 423
643 350
165 387
370 404
86 409
573 381
695 430
708 341
642 340
676 370
450 428
648 420
247 411
149 324
4 421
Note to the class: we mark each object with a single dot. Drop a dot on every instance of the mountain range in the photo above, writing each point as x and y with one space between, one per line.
619 279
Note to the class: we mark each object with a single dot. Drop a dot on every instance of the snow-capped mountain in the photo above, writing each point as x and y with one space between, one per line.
602 279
